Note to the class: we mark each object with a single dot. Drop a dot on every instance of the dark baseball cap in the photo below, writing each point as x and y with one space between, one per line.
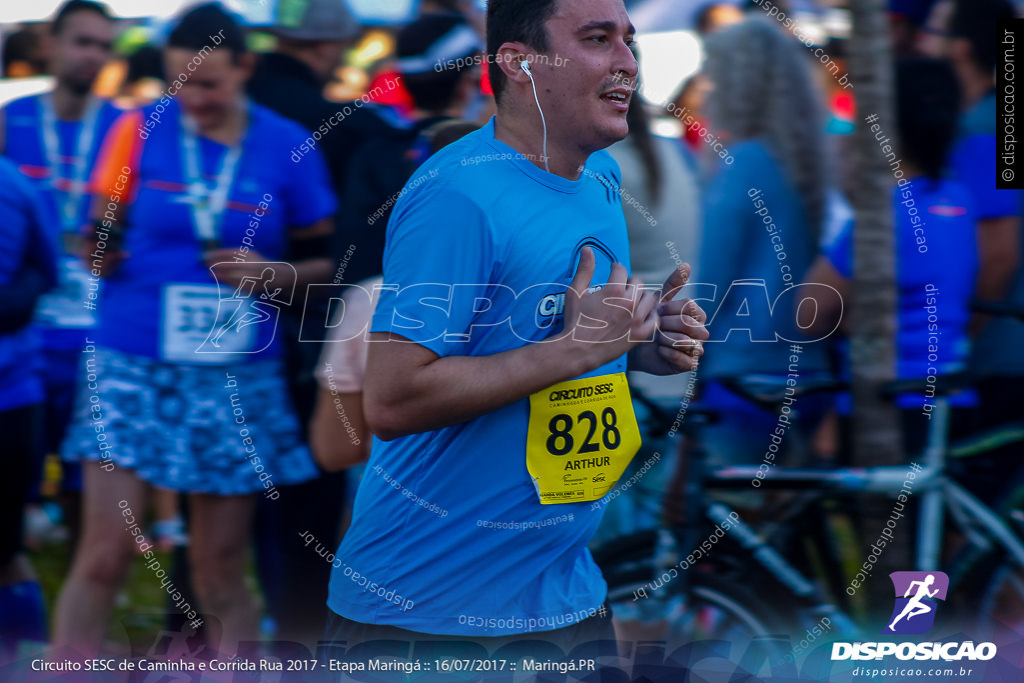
435 39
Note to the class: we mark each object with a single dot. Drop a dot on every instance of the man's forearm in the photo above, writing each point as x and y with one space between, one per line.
312 271
456 389
999 257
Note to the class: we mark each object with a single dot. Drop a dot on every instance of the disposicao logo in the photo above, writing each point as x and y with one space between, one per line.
916 600
917 594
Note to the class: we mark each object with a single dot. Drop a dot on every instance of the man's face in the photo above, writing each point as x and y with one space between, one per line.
83 47
587 97
329 54
214 82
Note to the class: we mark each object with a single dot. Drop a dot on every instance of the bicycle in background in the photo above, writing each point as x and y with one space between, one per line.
713 575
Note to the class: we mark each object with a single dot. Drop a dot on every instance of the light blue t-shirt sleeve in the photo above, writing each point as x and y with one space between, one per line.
839 250
437 238
974 163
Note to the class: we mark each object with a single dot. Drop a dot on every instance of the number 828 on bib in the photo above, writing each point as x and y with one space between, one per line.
580 438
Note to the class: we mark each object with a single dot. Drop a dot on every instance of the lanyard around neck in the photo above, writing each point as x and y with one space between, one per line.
208 204
68 203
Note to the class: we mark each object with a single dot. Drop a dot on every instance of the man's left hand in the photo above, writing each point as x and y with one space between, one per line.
677 345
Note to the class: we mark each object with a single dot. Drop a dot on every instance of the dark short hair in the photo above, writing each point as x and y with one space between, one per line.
432 91
195 28
21 46
976 21
515 21
927 112
146 62
75 6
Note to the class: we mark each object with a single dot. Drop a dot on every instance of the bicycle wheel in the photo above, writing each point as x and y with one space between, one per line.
710 609
1002 601
990 592
990 579
694 606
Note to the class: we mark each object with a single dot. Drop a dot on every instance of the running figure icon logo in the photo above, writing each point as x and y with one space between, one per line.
917 596
255 303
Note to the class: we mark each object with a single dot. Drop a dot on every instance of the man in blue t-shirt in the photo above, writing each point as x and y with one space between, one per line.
27 267
54 139
495 381
935 248
996 355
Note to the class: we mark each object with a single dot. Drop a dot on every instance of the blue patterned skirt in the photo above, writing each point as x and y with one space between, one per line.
225 430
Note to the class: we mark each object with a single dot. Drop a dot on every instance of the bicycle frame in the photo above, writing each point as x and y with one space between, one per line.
980 523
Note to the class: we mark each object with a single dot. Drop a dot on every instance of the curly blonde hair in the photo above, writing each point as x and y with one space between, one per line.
764 89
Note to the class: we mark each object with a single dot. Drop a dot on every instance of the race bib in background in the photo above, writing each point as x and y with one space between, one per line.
192 314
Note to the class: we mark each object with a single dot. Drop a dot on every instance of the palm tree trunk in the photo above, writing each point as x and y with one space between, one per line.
876 427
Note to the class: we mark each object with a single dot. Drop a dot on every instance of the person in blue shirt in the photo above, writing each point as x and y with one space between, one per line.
54 139
996 355
935 246
204 231
495 379
763 214
28 253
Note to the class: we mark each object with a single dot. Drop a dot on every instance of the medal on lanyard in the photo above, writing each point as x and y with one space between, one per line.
208 205
68 203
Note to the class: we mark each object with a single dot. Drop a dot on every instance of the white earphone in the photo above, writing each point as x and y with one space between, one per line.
525 66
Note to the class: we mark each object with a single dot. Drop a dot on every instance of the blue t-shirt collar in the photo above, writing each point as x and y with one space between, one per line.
555 182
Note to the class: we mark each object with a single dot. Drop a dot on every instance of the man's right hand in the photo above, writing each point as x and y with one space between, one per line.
608 322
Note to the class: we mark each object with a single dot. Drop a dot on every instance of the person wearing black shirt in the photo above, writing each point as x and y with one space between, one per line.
312 37
438 58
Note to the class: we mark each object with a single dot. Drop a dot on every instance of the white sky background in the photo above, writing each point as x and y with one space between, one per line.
12 12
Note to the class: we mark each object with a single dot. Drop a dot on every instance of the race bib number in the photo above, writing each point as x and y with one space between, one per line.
69 305
580 438
195 328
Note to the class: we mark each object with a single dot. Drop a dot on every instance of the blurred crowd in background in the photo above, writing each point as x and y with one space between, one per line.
739 161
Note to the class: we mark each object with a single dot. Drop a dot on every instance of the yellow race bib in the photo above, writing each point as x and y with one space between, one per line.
581 435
